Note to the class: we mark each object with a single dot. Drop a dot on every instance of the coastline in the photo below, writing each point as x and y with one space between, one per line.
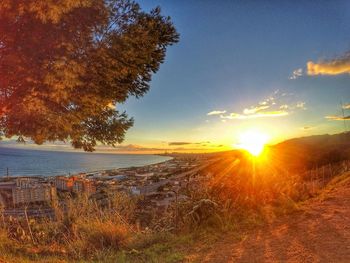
129 167
32 163
106 172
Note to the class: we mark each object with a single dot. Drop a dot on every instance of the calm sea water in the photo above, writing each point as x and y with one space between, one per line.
35 162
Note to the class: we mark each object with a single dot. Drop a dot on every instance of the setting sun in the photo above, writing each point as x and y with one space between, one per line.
253 142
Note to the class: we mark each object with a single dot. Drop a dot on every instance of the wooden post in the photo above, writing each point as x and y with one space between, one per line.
29 227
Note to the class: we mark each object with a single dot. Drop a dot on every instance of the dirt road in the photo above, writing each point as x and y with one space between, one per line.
318 233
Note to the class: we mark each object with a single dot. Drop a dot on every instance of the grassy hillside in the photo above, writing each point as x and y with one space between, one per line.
308 152
233 193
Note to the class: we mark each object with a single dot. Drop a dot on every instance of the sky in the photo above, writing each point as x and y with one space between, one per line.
243 65
278 67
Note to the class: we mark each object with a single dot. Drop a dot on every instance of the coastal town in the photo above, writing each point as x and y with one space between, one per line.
156 186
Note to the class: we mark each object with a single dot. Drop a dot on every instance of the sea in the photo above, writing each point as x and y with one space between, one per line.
25 162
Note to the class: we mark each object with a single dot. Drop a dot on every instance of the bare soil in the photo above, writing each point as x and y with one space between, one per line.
320 232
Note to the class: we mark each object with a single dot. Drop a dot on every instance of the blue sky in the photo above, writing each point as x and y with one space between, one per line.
233 55
235 61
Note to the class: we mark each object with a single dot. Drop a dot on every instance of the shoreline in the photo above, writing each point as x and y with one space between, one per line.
101 171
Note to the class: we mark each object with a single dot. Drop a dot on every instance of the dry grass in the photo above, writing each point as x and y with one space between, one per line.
234 198
240 195
81 229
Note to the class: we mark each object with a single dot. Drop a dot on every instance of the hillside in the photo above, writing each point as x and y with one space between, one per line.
309 152
318 232
237 208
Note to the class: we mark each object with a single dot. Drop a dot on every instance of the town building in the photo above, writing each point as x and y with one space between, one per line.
6 193
84 186
77 184
33 194
64 183
25 191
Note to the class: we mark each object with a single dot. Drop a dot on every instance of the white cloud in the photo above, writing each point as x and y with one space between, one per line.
346 106
296 73
238 116
301 105
256 109
216 112
272 106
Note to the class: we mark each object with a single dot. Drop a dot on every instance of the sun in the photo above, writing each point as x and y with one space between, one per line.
252 141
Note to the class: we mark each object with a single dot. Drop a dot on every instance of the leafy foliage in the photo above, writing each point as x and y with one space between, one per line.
65 64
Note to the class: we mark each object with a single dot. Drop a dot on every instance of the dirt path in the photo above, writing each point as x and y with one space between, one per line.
320 233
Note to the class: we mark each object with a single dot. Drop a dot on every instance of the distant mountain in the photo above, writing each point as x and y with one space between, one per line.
318 140
312 151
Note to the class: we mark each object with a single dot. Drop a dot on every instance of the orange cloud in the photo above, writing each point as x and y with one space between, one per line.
188 143
331 67
337 118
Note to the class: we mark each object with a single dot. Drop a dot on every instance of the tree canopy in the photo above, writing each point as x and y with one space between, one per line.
65 64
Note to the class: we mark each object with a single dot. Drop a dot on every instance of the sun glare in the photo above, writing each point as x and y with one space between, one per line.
253 142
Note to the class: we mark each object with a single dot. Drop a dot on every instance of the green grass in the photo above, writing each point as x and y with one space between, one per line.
164 248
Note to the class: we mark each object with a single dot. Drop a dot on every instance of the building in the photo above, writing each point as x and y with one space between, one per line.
33 194
6 193
25 191
7 185
84 186
25 182
64 183
76 184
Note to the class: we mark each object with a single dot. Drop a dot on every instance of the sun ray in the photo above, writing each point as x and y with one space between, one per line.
253 142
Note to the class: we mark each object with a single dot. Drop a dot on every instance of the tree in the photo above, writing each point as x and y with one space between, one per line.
65 64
